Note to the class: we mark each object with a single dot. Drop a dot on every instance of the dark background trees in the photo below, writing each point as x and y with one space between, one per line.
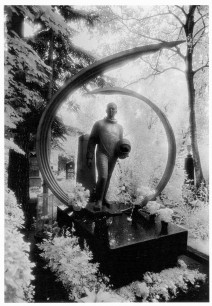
37 65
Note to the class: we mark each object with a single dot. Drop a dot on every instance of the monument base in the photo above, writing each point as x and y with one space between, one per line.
126 249
112 208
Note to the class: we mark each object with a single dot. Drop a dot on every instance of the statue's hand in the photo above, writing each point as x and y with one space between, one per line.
89 163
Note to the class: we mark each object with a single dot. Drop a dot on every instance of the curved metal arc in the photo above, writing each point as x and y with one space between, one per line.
168 129
74 83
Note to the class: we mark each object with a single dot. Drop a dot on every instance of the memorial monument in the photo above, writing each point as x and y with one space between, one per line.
115 240
107 135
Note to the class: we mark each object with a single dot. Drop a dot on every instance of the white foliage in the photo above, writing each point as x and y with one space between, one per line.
18 268
71 265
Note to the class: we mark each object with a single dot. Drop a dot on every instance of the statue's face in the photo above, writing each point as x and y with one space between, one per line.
111 111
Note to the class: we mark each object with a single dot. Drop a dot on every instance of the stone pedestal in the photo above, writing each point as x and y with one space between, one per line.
85 176
126 249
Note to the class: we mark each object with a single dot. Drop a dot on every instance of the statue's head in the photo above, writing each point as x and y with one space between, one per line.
111 110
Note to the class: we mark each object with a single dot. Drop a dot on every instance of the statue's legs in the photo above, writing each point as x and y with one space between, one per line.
111 166
105 168
102 170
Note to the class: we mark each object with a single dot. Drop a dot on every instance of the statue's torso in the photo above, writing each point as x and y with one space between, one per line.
109 134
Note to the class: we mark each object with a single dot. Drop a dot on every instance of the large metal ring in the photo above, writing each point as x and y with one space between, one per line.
73 84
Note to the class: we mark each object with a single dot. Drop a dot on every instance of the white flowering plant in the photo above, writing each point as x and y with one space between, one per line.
72 265
152 207
101 297
168 283
165 285
141 193
18 267
78 197
165 214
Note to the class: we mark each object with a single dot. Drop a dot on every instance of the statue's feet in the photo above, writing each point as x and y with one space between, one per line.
98 206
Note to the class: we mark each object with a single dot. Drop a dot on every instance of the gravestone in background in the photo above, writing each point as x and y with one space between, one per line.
70 169
85 176
62 160
34 173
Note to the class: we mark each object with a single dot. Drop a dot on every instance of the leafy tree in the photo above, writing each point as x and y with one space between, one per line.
37 66
26 72
140 25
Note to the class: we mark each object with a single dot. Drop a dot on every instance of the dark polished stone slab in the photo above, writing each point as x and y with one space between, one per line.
126 249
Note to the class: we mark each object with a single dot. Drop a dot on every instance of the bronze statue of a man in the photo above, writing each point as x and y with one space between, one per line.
106 134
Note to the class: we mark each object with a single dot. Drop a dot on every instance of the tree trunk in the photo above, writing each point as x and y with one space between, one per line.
18 171
51 64
189 27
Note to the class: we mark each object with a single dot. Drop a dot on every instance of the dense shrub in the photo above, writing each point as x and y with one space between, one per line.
18 268
72 265
192 211
165 285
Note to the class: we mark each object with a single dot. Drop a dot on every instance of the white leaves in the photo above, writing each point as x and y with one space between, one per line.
167 283
78 196
101 297
71 265
18 268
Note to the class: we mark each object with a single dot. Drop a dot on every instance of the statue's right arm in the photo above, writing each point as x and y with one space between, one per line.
92 142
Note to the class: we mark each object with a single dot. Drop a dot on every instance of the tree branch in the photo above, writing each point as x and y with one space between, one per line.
202 29
138 19
201 68
121 20
141 35
136 81
166 69
171 32
180 21
181 28
177 51
153 75
182 9
200 17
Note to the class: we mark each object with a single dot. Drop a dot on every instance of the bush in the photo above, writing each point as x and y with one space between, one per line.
193 211
18 268
163 286
71 265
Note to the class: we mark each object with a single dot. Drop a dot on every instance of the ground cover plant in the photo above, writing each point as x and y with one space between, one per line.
18 268
163 286
72 265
